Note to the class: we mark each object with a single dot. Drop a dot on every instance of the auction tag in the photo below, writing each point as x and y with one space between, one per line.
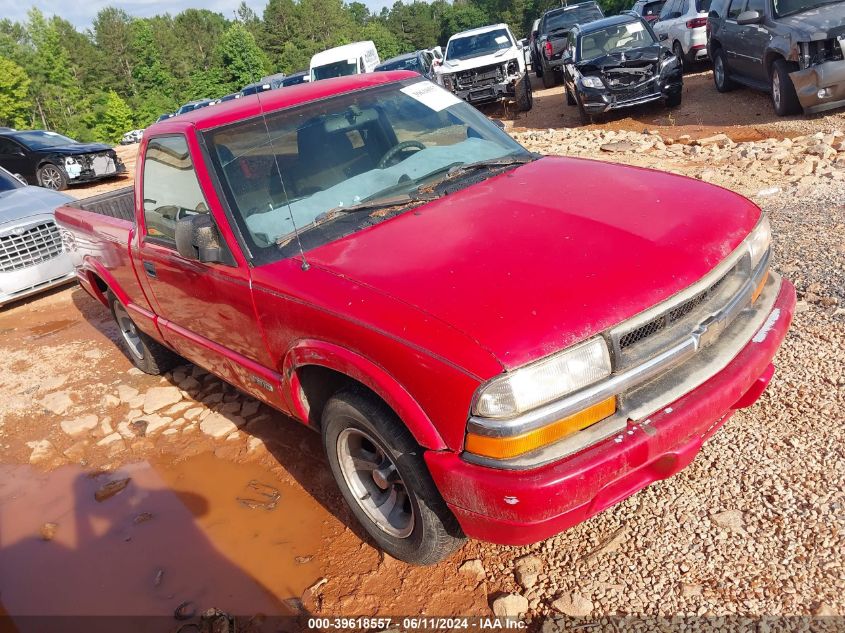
431 95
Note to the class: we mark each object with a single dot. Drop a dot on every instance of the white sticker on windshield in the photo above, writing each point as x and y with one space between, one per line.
502 39
634 27
431 95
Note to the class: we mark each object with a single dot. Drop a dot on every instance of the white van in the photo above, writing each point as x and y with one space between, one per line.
349 59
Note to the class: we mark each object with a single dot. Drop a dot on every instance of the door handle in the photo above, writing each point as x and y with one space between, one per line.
150 269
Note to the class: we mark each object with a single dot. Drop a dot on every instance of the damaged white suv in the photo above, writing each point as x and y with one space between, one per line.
485 65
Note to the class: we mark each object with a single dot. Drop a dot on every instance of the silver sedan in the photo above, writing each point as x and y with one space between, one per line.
32 258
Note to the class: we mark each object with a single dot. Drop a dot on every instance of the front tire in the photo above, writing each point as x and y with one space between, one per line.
52 176
784 97
674 100
678 51
147 354
720 72
570 100
382 476
586 117
524 95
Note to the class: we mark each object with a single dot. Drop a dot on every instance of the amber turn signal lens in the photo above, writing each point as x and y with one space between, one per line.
515 445
760 287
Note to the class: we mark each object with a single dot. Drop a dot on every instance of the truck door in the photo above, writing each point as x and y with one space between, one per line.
205 309
753 39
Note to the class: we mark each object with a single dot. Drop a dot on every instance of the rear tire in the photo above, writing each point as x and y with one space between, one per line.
376 463
524 95
147 354
720 72
784 97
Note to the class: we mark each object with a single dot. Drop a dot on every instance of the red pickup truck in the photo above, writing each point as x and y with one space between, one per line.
492 343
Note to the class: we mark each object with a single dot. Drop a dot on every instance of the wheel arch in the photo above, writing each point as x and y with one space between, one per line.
316 370
769 61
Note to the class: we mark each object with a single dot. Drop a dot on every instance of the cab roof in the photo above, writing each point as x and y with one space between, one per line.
341 52
479 31
272 100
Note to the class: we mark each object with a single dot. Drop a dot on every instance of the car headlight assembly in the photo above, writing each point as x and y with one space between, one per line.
542 382
591 81
759 241
70 160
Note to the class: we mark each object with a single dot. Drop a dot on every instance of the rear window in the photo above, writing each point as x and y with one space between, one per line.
341 68
653 8
566 19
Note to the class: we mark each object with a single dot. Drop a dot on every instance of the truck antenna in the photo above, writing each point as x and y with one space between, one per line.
305 264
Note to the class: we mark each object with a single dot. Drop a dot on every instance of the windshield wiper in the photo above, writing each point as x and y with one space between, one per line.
456 170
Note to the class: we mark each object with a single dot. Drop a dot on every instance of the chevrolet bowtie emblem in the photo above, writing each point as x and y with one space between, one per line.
708 331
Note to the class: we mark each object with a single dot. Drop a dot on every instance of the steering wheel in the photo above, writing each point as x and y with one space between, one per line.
393 151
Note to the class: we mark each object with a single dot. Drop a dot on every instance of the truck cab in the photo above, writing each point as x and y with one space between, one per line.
341 61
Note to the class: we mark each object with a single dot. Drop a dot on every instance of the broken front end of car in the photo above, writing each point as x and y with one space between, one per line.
88 167
820 80
621 81
486 83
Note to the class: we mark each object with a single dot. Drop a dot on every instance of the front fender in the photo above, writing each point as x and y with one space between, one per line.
331 356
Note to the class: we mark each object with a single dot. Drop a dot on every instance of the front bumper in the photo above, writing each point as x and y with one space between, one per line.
599 100
491 92
521 507
23 283
828 76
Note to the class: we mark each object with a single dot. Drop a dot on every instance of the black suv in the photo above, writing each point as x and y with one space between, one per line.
551 39
618 63
790 48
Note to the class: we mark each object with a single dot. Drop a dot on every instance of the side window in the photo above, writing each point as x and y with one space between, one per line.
171 189
735 9
7 147
667 8
756 5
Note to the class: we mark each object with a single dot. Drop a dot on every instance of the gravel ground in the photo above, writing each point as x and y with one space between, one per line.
755 526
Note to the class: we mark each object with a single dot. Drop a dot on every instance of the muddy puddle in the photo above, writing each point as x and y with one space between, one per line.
202 533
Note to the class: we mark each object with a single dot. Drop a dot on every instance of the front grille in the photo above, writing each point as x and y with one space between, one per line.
34 245
483 76
635 92
670 317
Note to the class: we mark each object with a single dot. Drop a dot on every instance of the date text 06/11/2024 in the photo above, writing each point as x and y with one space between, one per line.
418 623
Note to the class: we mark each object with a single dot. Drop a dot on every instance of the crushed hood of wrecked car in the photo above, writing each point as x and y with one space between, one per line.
632 58
548 254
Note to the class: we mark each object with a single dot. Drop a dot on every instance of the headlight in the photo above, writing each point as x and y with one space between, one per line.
541 382
759 241
70 160
590 81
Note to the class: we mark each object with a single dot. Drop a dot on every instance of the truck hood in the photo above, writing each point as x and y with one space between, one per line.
819 23
22 203
499 57
543 256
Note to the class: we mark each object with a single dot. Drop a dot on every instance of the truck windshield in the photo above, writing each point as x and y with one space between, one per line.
478 45
335 69
614 39
8 182
567 18
293 170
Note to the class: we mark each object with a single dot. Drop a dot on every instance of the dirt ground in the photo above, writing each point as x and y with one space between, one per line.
249 521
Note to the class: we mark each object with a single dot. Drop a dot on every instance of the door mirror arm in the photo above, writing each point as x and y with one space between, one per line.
198 239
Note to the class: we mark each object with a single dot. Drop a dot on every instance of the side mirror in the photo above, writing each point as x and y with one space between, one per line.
749 17
565 57
197 238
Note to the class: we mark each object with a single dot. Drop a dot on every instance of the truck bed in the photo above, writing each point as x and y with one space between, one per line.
116 204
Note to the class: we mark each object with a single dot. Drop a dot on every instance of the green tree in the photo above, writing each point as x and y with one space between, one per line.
54 89
387 44
113 120
243 61
15 106
112 37
149 72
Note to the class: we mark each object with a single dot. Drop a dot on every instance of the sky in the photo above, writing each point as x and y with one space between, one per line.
81 13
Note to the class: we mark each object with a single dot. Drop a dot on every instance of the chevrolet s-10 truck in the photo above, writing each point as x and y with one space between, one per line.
491 343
